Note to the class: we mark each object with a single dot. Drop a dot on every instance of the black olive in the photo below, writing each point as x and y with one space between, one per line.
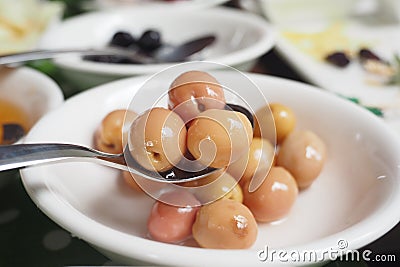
339 59
150 40
366 54
122 39
109 59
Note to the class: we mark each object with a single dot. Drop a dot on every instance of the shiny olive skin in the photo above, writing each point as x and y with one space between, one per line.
193 92
274 198
217 185
169 223
279 116
219 137
157 139
260 156
109 136
225 224
302 153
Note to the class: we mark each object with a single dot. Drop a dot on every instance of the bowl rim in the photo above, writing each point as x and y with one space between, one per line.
266 31
360 234
51 89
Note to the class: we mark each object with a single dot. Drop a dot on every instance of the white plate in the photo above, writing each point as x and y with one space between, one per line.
241 37
355 199
352 81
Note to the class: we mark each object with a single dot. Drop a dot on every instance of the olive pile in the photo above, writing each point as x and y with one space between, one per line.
220 213
149 41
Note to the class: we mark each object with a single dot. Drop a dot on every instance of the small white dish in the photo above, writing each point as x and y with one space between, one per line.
352 203
241 37
340 26
34 93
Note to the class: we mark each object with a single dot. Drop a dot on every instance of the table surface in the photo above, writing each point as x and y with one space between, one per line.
29 238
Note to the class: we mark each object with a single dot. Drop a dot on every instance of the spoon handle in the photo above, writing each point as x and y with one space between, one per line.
46 54
24 155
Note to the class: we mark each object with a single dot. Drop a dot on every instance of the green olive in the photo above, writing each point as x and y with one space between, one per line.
158 139
225 224
274 198
260 156
109 135
193 92
219 137
302 153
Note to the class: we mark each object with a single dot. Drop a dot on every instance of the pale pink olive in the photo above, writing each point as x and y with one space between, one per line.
158 139
109 135
225 224
274 198
170 223
216 186
194 92
219 137
303 154
260 156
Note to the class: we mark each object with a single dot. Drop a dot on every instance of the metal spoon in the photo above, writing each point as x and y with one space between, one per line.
166 53
24 155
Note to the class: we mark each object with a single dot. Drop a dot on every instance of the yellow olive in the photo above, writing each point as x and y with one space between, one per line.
225 224
109 135
275 196
219 137
302 153
158 139
194 92
279 116
260 156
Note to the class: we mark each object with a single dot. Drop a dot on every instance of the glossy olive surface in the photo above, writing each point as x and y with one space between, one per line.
225 224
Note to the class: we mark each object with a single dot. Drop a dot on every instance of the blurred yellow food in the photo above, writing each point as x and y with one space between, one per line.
320 44
23 21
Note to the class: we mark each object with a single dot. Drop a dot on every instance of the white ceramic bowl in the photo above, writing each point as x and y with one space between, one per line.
242 37
31 91
352 203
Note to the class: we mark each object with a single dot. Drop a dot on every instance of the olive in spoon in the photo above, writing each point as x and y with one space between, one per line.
24 155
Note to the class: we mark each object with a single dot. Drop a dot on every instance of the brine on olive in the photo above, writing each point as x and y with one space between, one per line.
219 137
194 92
274 198
109 135
302 153
157 139
225 224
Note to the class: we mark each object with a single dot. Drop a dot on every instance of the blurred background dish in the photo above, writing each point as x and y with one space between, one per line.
23 22
26 95
185 4
241 38
355 199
